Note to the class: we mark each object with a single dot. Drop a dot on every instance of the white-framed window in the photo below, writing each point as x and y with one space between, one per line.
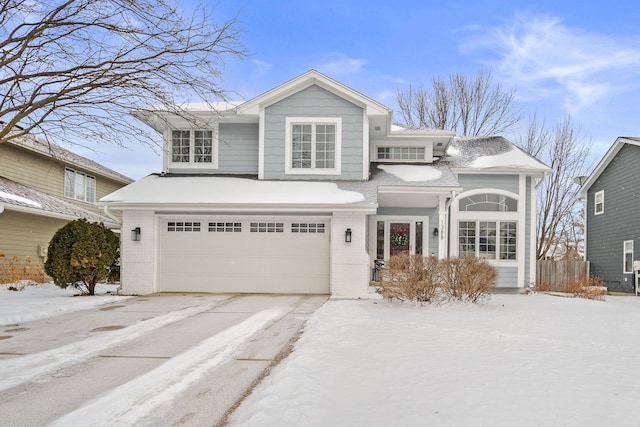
225 227
304 227
79 186
627 247
401 153
267 227
197 148
488 202
183 226
598 206
488 239
313 145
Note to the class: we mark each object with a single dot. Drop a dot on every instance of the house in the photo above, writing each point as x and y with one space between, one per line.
301 190
612 224
42 187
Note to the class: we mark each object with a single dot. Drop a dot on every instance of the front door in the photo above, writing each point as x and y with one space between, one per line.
400 238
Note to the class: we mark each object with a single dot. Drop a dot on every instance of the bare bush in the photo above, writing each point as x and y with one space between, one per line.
14 269
468 278
586 287
410 277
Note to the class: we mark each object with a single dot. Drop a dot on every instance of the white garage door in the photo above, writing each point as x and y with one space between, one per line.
252 255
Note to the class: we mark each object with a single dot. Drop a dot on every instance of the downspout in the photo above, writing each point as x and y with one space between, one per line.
108 213
447 212
1 208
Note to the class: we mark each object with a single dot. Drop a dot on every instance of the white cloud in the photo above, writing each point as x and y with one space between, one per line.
544 58
336 63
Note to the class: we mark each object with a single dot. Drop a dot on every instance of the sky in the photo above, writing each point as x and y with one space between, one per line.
562 57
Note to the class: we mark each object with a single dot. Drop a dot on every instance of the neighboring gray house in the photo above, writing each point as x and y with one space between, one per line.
303 188
611 196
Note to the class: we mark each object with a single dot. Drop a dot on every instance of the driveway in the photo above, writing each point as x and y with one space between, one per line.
168 359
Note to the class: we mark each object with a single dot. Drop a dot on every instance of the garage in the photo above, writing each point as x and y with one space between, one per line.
244 254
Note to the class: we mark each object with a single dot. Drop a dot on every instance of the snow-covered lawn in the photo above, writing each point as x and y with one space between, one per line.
517 360
46 300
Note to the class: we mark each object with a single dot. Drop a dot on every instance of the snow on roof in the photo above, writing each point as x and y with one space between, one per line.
155 189
17 196
412 173
493 152
49 149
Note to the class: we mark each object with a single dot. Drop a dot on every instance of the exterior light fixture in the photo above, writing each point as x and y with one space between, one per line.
135 234
347 235
435 231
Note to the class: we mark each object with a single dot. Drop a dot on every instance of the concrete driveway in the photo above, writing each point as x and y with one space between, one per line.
169 359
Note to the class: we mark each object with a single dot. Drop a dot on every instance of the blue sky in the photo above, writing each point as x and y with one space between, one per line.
562 57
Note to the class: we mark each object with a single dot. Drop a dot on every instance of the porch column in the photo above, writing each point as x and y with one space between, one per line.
350 264
443 235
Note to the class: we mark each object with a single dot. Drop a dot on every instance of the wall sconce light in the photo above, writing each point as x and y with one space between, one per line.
435 231
135 234
347 235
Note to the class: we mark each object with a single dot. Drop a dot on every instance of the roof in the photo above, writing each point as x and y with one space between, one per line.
494 153
312 77
17 197
615 148
49 149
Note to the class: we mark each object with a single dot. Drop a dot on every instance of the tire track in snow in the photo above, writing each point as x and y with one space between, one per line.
20 370
127 404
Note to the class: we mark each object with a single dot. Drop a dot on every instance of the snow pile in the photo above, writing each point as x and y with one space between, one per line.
412 173
514 158
535 360
19 199
47 300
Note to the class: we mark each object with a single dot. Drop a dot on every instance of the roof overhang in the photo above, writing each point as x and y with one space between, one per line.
48 214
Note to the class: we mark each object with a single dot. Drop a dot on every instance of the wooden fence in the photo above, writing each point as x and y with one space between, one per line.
559 273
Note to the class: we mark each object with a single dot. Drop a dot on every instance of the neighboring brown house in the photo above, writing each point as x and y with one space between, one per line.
42 187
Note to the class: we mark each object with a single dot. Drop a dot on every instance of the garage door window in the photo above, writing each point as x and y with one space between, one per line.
183 226
267 227
225 227
300 227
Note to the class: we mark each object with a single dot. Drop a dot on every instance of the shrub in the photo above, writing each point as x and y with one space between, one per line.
467 279
423 279
14 270
543 286
586 287
80 254
411 277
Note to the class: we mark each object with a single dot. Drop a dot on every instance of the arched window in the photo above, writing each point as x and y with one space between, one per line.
488 202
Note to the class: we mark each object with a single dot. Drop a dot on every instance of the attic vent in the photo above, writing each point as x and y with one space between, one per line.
377 127
439 144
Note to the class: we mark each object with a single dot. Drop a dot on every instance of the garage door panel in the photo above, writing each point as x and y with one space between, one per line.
246 261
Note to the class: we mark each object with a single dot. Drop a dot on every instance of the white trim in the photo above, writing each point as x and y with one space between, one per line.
191 164
337 170
261 123
624 256
366 142
521 231
595 202
533 229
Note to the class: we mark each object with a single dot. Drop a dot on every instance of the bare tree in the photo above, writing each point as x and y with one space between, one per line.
566 154
470 106
73 69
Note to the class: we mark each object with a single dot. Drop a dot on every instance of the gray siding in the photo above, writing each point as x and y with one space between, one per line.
477 181
238 148
507 277
313 102
620 221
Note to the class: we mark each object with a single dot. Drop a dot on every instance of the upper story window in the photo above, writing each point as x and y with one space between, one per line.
313 145
598 207
400 153
79 186
194 148
488 202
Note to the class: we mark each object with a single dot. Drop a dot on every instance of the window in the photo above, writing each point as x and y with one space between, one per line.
225 227
187 226
313 145
628 256
480 239
488 203
307 228
598 207
400 153
267 227
195 148
79 186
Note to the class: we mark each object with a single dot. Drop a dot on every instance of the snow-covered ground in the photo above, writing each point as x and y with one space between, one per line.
46 300
517 360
